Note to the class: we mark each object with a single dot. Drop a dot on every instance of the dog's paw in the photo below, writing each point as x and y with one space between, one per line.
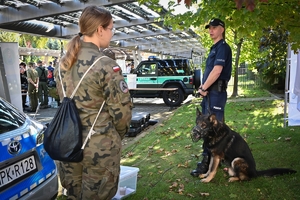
202 176
205 180
232 179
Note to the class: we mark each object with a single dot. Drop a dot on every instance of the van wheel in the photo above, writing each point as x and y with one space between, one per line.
173 98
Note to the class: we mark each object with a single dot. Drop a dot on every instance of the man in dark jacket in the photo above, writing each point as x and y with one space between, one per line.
43 87
24 83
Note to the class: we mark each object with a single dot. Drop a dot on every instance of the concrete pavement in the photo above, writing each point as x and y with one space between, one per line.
155 106
157 110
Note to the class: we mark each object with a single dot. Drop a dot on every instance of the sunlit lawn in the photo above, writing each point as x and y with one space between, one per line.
166 155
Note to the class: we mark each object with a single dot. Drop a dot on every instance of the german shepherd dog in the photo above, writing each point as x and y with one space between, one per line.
227 145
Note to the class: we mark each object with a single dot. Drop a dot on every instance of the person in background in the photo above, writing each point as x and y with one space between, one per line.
97 175
50 75
128 68
43 86
33 85
214 84
24 83
131 67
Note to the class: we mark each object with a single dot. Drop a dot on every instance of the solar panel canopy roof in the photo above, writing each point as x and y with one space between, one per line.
137 27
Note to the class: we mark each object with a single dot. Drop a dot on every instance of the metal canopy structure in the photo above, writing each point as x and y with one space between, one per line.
136 26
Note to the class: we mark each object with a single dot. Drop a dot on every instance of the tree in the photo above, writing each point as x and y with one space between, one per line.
246 20
53 44
236 33
8 37
272 65
32 41
249 4
255 15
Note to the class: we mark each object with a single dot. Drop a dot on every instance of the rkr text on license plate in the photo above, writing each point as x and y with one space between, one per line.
17 170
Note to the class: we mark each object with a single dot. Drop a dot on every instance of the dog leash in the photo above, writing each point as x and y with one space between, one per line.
208 103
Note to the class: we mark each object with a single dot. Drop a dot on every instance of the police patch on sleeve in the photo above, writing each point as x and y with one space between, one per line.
123 86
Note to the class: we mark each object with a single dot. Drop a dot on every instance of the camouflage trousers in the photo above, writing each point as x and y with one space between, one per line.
96 177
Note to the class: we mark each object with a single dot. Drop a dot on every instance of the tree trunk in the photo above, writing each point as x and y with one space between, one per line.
236 66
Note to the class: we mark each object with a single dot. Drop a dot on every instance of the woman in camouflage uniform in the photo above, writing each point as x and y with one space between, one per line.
96 177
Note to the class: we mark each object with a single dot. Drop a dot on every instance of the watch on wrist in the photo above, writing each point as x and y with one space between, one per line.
202 89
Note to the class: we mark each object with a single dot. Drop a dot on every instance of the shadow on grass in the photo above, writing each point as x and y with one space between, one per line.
166 155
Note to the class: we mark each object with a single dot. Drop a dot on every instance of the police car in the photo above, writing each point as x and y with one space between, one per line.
154 76
26 170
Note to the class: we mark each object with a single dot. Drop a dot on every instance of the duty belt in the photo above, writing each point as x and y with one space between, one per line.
219 85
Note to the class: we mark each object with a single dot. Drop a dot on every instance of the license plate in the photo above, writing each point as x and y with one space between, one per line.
17 170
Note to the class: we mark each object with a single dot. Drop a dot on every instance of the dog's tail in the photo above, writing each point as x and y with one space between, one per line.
275 171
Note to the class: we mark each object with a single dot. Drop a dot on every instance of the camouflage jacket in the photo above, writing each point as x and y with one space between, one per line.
104 82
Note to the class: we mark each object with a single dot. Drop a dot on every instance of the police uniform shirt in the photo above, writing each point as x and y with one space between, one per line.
220 54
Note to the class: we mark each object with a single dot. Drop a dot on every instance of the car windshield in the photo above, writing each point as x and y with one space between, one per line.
174 67
10 117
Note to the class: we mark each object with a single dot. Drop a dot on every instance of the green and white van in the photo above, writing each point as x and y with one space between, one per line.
171 79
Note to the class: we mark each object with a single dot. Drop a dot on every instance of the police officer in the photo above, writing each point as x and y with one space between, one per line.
96 177
214 84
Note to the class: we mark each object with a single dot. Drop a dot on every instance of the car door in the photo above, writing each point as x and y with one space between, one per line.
26 170
147 77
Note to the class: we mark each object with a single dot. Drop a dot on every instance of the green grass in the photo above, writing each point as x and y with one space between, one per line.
166 155
249 92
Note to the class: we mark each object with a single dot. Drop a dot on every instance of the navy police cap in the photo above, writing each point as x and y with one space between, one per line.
215 22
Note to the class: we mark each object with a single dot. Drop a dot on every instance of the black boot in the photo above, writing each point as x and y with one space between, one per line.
202 166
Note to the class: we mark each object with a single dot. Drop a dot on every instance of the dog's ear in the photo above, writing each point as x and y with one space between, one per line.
213 119
198 113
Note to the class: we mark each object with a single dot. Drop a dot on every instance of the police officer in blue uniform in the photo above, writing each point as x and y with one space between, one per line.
214 84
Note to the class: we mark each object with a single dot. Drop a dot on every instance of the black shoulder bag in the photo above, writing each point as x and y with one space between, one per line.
63 136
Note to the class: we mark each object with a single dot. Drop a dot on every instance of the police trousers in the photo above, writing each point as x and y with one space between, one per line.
214 103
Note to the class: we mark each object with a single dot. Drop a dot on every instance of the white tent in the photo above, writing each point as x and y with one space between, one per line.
292 89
